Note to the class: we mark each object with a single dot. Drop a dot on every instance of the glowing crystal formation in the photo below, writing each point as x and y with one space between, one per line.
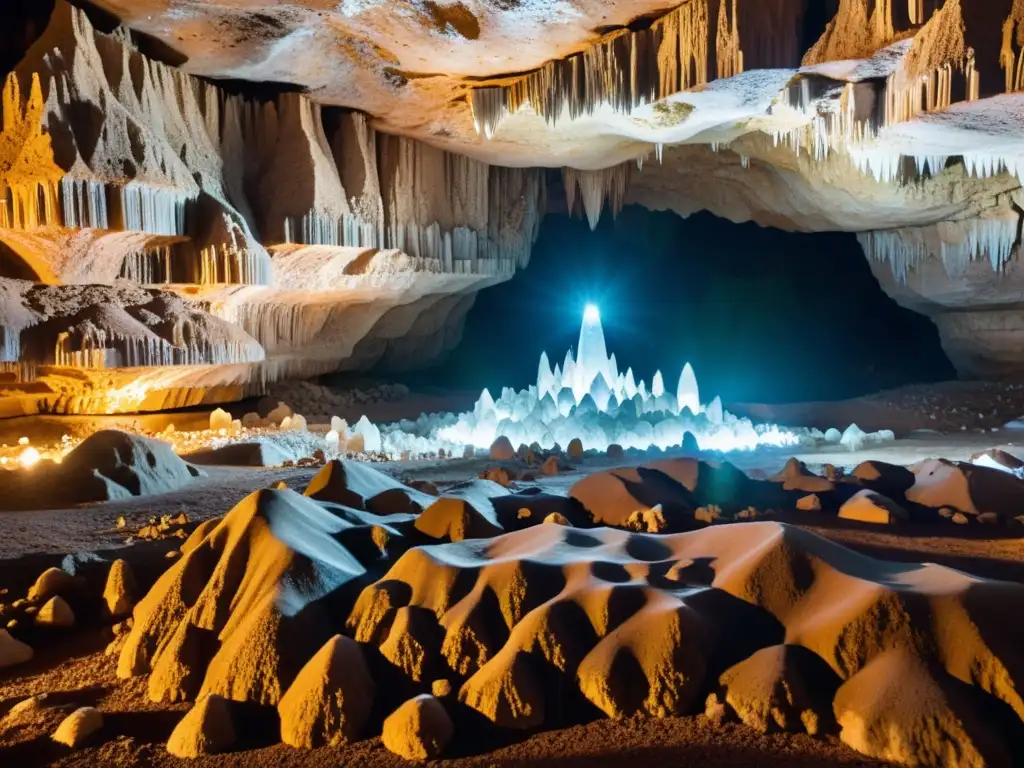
588 398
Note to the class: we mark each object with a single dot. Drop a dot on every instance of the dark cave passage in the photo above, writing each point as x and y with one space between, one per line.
763 315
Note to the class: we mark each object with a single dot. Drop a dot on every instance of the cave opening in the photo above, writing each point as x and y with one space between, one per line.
763 315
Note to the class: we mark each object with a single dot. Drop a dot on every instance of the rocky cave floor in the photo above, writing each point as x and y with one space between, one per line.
73 669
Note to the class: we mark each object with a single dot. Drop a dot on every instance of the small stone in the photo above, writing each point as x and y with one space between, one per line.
575 449
12 650
441 688
557 518
77 727
524 513
56 613
420 729
809 503
708 514
121 522
172 554
12 624
27 706
988 518
960 518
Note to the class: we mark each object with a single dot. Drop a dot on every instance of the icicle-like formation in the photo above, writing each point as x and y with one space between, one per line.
28 206
214 265
84 204
915 8
488 107
230 264
594 187
956 243
625 70
496 211
98 350
153 210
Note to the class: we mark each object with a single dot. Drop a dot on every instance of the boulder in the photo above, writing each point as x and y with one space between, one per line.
420 729
809 503
52 581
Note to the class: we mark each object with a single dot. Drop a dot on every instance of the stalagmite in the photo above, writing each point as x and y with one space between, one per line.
1010 59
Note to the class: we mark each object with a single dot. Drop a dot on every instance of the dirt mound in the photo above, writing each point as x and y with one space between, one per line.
108 465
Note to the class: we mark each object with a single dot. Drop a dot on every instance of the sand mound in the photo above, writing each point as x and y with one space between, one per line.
330 700
420 729
206 729
241 613
897 709
549 624
783 687
360 486
254 453
107 465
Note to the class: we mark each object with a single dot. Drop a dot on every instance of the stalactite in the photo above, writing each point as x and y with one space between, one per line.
594 187
956 243
625 70
915 8
727 42
1011 59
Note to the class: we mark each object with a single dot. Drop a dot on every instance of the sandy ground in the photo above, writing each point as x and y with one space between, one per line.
76 672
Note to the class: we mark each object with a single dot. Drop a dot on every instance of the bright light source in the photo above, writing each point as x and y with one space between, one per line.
591 314
29 457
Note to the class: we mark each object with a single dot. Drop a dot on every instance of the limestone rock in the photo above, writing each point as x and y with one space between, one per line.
206 729
615 452
13 651
795 476
75 730
56 613
120 591
330 700
870 507
502 450
420 729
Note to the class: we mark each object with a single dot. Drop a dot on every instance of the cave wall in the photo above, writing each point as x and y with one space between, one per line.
325 243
